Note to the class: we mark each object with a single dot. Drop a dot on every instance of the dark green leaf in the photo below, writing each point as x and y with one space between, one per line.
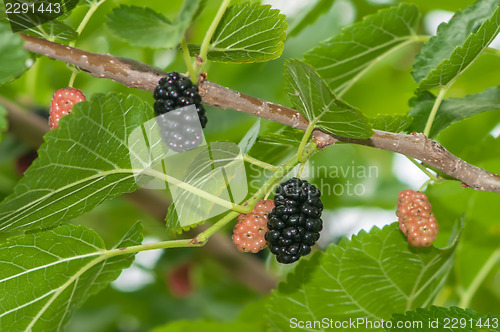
393 123
343 59
319 8
445 319
315 101
457 44
13 57
81 164
371 276
248 32
451 110
45 276
142 27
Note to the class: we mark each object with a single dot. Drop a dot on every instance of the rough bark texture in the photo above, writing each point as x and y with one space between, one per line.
142 76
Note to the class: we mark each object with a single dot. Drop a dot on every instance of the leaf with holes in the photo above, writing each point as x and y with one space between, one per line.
343 59
81 164
451 110
393 123
45 276
316 102
448 319
372 276
457 45
248 32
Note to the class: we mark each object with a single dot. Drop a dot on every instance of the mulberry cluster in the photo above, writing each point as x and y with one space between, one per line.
249 232
416 219
180 130
294 224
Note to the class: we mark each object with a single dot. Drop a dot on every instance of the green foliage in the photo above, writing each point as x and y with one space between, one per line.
291 137
97 168
53 268
343 59
392 123
312 97
13 58
371 276
142 26
4 125
248 32
457 44
446 319
54 30
316 10
451 110
46 275
187 326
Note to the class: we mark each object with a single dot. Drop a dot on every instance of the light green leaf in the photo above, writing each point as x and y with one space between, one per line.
248 32
250 137
311 15
13 57
290 137
457 45
342 60
173 223
315 101
445 319
54 31
451 110
45 276
142 27
4 124
81 164
371 276
392 123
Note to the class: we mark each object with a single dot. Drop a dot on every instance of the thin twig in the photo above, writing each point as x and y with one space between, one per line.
142 76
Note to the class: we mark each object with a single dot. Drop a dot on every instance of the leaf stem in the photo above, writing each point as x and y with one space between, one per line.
203 237
187 60
434 110
423 169
478 280
94 6
149 246
211 30
259 163
197 191
426 183
86 19
304 141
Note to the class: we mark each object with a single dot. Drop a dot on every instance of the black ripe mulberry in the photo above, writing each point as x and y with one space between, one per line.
173 92
294 224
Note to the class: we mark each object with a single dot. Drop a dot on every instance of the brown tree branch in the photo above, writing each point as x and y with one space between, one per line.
139 75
